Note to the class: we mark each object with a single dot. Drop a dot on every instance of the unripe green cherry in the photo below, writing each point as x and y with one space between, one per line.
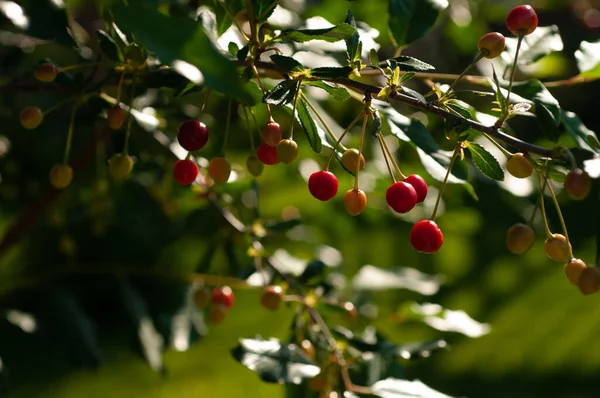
254 165
287 150
519 238
557 249
573 270
219 169
491 44
31 117
46 72
350 160
116 117
120 166
589 280
271 297
519 166
61 176
578 184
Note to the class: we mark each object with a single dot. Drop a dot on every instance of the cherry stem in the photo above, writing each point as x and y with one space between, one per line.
249 130
512 76
262 88
560 217
294 110
120 87
77 66
58 105
204 103
401 176
70 135
455 153
497 145
464 72
387 163
235 22
129 121
340 139
310 105
542 206
252 21
226 128
360 147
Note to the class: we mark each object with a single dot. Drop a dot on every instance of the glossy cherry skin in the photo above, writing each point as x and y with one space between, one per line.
223 296
192 135
522 20
401 197
419 185
323 185
426 237
492 44
267 154
185 171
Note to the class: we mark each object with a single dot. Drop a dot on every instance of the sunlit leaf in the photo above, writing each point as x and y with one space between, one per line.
336 92
275 362
309 126
371 278
399 388
584 137
282 94
339 32
407 64
543 41
446 320
588 59
287 63
330 72
485 161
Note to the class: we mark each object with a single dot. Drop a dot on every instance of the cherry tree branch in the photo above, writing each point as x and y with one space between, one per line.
429 107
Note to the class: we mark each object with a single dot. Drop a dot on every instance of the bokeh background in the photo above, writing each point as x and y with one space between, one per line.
80 342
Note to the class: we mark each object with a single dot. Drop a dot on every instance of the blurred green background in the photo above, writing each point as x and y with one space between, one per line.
543 332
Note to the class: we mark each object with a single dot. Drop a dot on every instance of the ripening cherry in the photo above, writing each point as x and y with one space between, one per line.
202 297
589 280
522 20
61 176
350 160
426 237
116 117
223 296
254 166
271 297
267 154
120 166
491 44
578 184
355 201
519 166
401 197
419 185
185 171
219 169
308 348
519 238
287 151
557 249
323 185
573 270
192 135
272 134
31 117
218 313
46 72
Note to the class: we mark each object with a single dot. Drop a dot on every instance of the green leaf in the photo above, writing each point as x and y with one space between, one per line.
495 84
543 41
339 32
282 94
447 320
547 121
162 77
287 63
150 339
414 94
353 44
46 19
337 93
275 362
371 278
410 20
588 59
109 47
456 128
407 64
373 58
399 388
177 39
547 109
223 20
309 126
330 72
263 9
584 137
485 161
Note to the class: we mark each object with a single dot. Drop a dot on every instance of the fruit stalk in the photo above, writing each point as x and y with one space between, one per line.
340 139
512 76
455 153
360 147
387 163
561 218
464 72
70 135
542 206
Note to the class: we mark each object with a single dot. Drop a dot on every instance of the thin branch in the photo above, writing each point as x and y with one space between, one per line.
429 107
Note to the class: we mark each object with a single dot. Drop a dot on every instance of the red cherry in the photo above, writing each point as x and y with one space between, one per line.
272 133
401 196
185 171
267 154
426 237
578 184
492 44
323 185
192 135
522 20
419 185
223 296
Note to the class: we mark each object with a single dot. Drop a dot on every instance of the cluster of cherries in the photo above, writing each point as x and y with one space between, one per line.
222 298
